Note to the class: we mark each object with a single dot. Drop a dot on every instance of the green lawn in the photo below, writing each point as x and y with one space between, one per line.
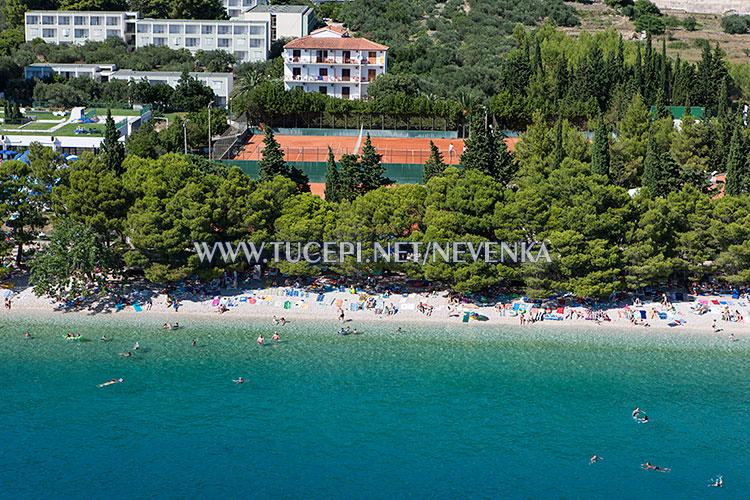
70 129
117 112
45 115
39 126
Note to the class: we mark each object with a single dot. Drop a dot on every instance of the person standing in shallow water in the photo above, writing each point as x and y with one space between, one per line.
261 340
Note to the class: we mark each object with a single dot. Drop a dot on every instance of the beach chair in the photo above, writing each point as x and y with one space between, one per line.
215 302
288 304
560 310
715 302
243 299
320 298
723 302
465 318
642 313
137 307
339 302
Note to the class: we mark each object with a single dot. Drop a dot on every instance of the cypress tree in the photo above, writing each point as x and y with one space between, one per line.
487 152
113 150
373 172
333 189
661 173
537 62
558 154
272 162
722 105
660 105
600 149
638 71
737 174
435 165
561 77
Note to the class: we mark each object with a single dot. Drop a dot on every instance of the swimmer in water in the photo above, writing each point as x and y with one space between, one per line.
342 331
136 346
239 380
644 419
636 412
398 330
596 458
648 466
719 483
126 354
113 381
731 337
276 336
194 341
28 335
104 338
355 332
261 340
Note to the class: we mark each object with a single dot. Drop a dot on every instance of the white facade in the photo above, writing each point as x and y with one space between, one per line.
706 6
236 7
78 27
330 62
285 21
221 83
248 40
67 71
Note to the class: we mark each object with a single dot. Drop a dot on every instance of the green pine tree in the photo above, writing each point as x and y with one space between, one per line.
113 150
487 152
558 154
373 172
737 173
660 105
435 165
661 173
600 149
272 162
333 189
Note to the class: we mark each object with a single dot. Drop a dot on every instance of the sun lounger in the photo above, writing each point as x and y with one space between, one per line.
215 302
643 314
662 315
553 317
560 310
723 302
465 319
715 302
288 304
137 307
320 298
339 302
243 299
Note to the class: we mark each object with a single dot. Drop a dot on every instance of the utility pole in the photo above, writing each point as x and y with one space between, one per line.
209 129
184 130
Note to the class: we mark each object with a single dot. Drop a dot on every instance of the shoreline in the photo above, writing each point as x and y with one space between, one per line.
269 303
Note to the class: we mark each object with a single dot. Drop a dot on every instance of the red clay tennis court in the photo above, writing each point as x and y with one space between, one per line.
315 148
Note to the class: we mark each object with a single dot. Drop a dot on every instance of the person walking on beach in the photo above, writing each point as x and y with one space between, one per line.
341 315
713 325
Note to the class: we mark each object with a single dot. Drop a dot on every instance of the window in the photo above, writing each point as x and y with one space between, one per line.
144 28
345 92
97 33
191 29
48 19
79 21
111 33
233 3
175 28
240 30
160 42
66 32
247 3
63 20
223 42
296 53
81 33
257 30
323 90
49 33
208 42
240 55
33 33
176 40
145 40
95 21
159 28
207 30
372 56
216 84
240 42
256 42
191 42
224 30
32 19
113 21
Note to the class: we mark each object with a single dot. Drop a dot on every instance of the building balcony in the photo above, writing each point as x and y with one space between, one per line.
352 61
328 79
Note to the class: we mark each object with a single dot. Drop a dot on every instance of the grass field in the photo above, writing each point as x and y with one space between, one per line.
39 126
70 129
45 115
117 112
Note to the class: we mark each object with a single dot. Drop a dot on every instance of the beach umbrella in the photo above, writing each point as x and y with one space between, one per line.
5 152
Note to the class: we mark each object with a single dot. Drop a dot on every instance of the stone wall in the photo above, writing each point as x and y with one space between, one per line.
707 6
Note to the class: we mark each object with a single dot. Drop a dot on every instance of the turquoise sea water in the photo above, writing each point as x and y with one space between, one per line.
432 412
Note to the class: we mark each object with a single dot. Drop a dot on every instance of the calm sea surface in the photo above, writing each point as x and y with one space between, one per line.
432 412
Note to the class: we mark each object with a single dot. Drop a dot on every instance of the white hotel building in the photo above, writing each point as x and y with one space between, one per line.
248 40
79 27
329 61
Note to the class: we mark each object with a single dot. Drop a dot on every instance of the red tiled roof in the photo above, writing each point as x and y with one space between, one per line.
335 29
345 43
